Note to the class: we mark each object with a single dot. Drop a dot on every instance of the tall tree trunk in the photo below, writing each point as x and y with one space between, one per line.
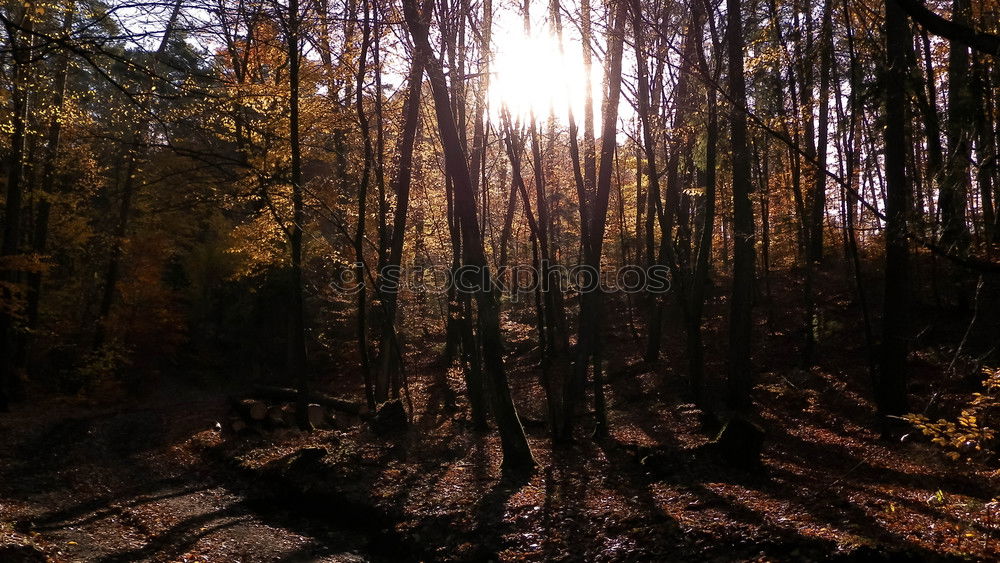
819 181
740 376
297 330
673 210
795 161
818 201
695 350
890 387
852 147
515 148
389 277
40 238
10 245
932 126
374 394
655 324
505 233
589 147
582 189
805 59
135 153
986 148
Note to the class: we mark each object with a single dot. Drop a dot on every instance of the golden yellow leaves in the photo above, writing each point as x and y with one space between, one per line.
968 433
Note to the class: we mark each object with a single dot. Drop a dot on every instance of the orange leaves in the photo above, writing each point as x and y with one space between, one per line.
28 263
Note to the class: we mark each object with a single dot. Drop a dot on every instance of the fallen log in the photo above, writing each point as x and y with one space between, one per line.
287 395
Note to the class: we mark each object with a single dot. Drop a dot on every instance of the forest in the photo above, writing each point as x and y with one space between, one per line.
499 280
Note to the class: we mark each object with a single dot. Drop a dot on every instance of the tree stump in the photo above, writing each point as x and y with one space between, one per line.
739 443
389 417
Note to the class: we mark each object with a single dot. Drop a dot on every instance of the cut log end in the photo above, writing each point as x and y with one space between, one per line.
252 409
316 414
277 415
237 425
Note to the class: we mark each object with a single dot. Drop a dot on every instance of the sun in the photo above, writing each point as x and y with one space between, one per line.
532 75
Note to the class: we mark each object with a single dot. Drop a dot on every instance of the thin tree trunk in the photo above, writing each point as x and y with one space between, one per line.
588 342
695 349
986 149
133 158
935 158
819 182
390 373
853 146
649 148
374 394
297 329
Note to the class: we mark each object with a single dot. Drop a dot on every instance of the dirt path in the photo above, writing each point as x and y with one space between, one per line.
79 484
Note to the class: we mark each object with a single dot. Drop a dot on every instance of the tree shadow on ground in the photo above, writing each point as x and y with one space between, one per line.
111 505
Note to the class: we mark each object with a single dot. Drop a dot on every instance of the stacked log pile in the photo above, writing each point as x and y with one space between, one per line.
270 408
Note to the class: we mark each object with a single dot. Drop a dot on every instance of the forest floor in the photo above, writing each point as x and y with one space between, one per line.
157 482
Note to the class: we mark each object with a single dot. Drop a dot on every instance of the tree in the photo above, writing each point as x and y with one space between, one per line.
20 37
740 375
890 387
954 194
388 287
517 454
296 327
699 278
589 339
48 183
